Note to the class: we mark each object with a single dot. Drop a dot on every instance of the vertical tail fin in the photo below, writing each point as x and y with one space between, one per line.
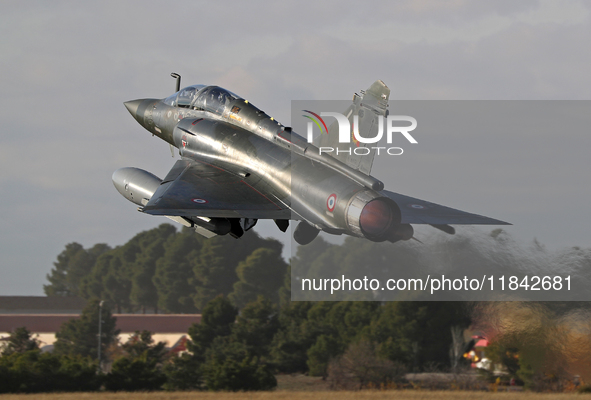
368 105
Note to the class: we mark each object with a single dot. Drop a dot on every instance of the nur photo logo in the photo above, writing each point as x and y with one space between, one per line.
349 131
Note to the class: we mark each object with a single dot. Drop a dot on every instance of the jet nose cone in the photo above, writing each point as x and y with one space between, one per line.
132 106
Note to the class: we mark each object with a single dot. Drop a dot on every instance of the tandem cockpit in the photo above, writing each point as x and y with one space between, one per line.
201 97
236 110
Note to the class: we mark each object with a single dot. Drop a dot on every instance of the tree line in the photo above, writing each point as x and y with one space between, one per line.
171 271
353 344
250 330
239 349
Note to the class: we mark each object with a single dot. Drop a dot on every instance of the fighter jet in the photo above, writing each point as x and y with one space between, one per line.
239 165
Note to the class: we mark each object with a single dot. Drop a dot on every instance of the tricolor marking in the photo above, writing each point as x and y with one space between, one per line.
331 202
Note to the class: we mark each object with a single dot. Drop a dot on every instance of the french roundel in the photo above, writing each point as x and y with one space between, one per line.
331 202
199 201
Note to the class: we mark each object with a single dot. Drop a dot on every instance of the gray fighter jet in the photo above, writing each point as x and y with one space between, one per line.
239 165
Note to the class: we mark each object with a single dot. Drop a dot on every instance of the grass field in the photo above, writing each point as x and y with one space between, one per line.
302 387
285 395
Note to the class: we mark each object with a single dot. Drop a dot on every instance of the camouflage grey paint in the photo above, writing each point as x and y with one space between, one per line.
239 164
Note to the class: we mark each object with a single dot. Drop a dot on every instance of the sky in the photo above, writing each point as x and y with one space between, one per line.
68 66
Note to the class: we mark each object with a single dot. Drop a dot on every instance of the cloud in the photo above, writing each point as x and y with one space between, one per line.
68 67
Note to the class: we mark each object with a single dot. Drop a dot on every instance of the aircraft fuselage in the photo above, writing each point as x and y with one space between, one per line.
254 146
239 165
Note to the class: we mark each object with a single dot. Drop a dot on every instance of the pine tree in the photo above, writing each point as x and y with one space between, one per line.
319 355
141 366
174 270
143 291
117 281
72 265
215 270
418 332
141 344
230 366
291 342
256 325
92 286
262 273
19 341
79 336
217 319
123 276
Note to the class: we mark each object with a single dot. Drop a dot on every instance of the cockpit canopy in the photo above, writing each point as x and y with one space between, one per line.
200 97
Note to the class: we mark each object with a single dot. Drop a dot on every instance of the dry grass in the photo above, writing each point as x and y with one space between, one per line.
300 383
302 387
284 395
